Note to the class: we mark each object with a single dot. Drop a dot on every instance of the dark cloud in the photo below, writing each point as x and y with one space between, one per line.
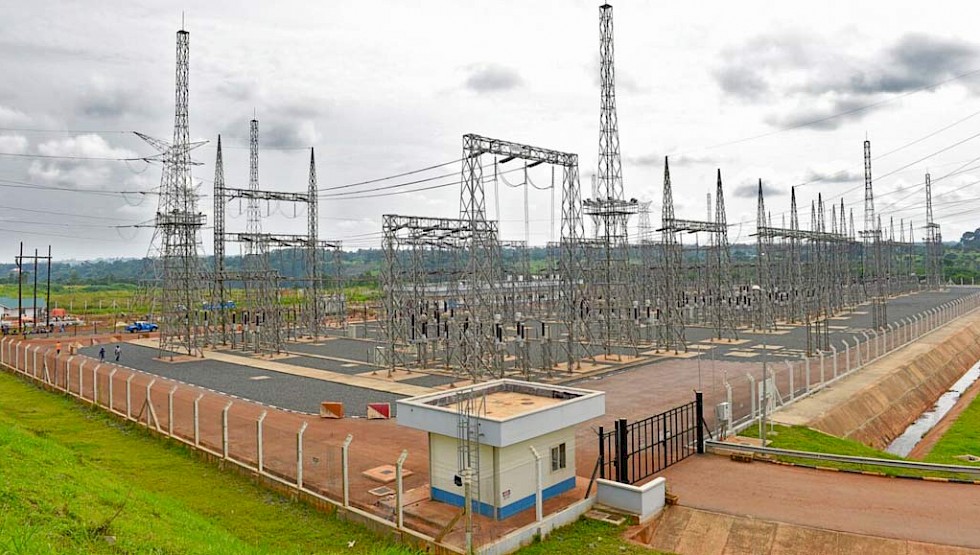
289 134
842 176
105 99
750 189
826 113
821 87
490 78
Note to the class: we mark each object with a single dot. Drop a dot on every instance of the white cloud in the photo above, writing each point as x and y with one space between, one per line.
89 146
14 144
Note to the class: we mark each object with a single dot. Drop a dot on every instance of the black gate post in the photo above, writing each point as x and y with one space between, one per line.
602 454
622 465
699 405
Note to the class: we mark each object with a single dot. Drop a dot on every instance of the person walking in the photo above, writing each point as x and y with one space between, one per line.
118 352
101 354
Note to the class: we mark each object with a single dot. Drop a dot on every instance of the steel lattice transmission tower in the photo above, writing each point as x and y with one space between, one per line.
610 165
934 243
614 290
178 225
873 262
671 336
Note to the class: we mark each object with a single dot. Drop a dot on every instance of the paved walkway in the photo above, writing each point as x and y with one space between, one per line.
379 383
690 531
912 510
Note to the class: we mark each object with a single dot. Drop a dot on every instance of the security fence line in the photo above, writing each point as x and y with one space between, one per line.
129 394
790 381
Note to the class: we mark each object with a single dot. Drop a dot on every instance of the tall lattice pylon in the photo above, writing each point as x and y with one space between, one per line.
219 307
262 282
720 270
874 278
614 291
312 310
934 243
765 320
671 335
610 164
178 226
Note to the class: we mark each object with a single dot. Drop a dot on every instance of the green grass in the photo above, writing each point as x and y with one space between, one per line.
70 476
801 438
587 537
962 438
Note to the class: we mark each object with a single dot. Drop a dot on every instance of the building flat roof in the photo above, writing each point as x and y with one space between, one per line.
508 411
501 405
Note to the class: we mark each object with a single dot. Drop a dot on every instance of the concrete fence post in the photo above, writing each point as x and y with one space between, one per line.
224 429
345 470
847 359
150 412
170 410
892 335
197 420
67 388
3 350
806 366
81 380
299 454
538 510
258 440
752 399
111 376
792 384
857 347
822 357
35 361
95 384
399 494
128 404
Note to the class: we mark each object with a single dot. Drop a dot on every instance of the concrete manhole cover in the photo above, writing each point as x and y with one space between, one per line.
381 491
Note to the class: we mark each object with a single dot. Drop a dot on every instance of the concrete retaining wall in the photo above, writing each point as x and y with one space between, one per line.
899 387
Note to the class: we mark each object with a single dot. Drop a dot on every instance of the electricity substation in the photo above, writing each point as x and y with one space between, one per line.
467 322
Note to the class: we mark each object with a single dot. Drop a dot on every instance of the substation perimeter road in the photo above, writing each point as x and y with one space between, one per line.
918 510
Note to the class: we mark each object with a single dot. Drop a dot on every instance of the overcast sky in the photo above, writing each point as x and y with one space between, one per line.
759 89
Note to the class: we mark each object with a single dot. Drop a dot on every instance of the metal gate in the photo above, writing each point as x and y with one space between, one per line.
634 451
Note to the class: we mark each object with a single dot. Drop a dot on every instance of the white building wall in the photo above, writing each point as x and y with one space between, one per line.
517 465
444 465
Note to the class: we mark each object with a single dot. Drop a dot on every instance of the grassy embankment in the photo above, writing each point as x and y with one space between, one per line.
800 438
73 480
962 438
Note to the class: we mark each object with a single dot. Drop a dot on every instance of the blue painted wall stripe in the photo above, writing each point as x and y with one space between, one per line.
506 511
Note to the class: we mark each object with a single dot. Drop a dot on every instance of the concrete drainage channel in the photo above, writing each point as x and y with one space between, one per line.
905 443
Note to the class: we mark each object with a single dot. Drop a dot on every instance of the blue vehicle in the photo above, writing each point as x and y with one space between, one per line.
142 327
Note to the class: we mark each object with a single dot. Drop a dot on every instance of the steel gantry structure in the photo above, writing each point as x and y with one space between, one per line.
261 323
447 298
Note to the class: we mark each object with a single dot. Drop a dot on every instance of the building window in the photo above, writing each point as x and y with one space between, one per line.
558 457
